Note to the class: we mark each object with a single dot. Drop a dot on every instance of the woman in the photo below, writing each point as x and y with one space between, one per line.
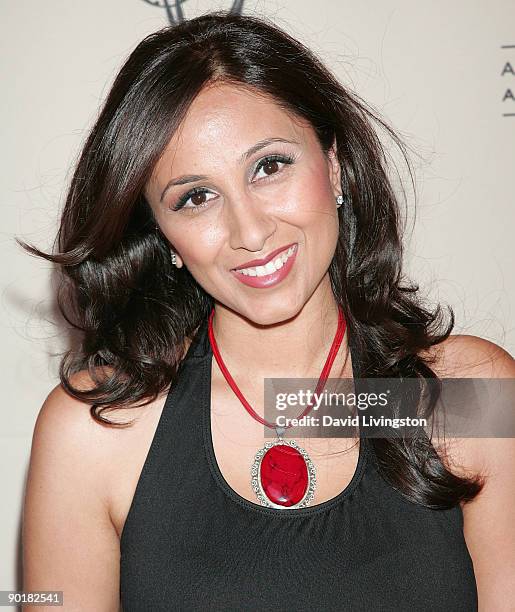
230 220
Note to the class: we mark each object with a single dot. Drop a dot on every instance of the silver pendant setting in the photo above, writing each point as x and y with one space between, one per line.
255 471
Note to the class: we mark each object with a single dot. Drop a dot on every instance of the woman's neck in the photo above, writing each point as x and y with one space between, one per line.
295 348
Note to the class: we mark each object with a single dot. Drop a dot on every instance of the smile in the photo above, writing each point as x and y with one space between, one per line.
271 266
269 274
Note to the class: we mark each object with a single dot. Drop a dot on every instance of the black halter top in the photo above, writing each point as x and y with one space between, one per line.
190 542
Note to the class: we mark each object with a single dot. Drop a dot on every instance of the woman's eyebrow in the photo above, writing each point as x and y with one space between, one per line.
261 144
192 178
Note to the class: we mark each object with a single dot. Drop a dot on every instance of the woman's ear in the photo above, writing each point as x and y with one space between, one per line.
335 170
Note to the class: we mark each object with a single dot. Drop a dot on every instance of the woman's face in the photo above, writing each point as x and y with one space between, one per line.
240 180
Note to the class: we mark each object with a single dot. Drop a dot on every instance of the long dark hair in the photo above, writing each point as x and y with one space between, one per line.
136 311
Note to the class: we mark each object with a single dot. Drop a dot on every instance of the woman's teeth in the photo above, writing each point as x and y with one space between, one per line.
271 266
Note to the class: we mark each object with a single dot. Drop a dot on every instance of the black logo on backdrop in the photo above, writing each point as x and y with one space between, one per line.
508 74
174 11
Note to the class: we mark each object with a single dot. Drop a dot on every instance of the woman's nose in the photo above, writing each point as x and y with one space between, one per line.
249 222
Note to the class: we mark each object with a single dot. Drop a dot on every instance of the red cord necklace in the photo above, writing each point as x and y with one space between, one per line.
282 474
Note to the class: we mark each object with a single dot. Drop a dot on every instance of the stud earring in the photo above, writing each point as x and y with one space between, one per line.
174 258
339 201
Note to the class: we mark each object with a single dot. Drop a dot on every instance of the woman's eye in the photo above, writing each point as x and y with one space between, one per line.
197 197
272 164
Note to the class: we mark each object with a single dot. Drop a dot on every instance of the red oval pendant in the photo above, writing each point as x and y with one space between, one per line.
284 475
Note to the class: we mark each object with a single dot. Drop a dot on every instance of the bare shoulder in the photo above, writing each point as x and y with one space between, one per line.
489 527
465 356
67 513
65 427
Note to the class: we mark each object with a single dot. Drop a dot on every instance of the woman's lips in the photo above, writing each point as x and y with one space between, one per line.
262 262
268 280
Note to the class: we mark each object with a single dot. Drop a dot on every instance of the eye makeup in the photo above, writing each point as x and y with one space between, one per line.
285 159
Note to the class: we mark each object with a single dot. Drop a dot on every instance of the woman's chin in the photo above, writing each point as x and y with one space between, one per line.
271 313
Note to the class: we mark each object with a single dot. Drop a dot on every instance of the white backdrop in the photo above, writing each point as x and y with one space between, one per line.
442 73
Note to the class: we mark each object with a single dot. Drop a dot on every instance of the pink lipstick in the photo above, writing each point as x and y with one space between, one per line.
256 276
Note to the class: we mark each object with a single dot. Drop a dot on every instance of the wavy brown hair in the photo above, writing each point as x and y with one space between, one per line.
136 311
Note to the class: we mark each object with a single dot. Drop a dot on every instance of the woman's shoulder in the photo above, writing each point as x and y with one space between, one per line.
65 422
66 515
66 418
488 519
65 433
467 356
